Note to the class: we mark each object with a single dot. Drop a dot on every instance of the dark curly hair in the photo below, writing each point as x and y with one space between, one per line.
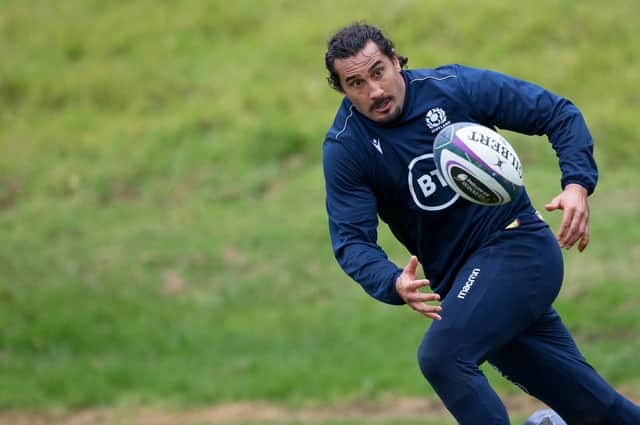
349 41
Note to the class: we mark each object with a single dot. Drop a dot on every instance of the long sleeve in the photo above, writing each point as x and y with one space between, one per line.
353 221
513 104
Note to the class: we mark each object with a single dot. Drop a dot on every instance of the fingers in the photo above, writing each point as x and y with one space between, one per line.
422 297
575 217
414 285
408 288
565 227
584 241
434 316
578 228
553 205
407 282
427 310
417 301
412 267
574 227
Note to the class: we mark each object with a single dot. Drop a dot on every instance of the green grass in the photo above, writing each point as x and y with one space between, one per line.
162 205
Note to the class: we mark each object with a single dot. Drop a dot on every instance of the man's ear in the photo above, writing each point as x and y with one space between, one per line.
396 61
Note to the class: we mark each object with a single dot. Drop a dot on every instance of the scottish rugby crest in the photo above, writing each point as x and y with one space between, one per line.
436 119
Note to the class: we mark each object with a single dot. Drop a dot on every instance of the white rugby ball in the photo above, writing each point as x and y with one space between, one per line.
478 163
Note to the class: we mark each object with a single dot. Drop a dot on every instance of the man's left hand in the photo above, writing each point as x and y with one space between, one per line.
575 217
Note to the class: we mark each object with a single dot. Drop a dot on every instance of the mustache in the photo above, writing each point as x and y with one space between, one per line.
379 102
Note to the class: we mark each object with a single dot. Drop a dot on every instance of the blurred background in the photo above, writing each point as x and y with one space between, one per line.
164 239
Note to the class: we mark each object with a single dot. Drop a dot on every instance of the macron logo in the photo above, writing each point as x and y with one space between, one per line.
468 284
377 145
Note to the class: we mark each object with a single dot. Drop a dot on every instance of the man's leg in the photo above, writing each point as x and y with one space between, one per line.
499 292
545 361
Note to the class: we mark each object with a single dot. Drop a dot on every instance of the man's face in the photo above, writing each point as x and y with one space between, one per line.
373 83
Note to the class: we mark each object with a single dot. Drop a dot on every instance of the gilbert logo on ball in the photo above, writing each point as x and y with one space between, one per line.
478 163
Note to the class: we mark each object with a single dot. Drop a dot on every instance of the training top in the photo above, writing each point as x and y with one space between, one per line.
387 170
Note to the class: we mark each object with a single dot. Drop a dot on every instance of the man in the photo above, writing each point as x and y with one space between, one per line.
496 270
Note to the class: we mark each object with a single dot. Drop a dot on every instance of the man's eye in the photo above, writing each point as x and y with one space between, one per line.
378 72
356 83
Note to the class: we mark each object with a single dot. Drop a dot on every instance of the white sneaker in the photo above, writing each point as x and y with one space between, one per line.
545 417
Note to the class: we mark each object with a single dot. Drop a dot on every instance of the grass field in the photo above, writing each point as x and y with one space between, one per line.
164 239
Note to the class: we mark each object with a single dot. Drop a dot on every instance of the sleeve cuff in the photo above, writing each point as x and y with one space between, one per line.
589 187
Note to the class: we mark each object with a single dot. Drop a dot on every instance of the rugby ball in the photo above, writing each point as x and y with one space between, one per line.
478 163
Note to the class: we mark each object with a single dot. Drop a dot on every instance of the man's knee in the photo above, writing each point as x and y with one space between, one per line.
431 360
441 363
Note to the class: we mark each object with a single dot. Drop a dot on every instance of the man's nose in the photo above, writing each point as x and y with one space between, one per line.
375 90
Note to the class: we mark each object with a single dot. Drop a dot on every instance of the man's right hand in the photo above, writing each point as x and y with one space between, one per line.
408 287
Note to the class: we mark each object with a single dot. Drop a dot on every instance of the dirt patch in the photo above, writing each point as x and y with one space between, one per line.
258 412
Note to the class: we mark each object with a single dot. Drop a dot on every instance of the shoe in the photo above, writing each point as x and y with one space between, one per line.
545 417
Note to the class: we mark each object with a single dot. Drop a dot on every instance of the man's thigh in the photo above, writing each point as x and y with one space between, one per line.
499 292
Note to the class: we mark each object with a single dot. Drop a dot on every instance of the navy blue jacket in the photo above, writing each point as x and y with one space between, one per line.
387 170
